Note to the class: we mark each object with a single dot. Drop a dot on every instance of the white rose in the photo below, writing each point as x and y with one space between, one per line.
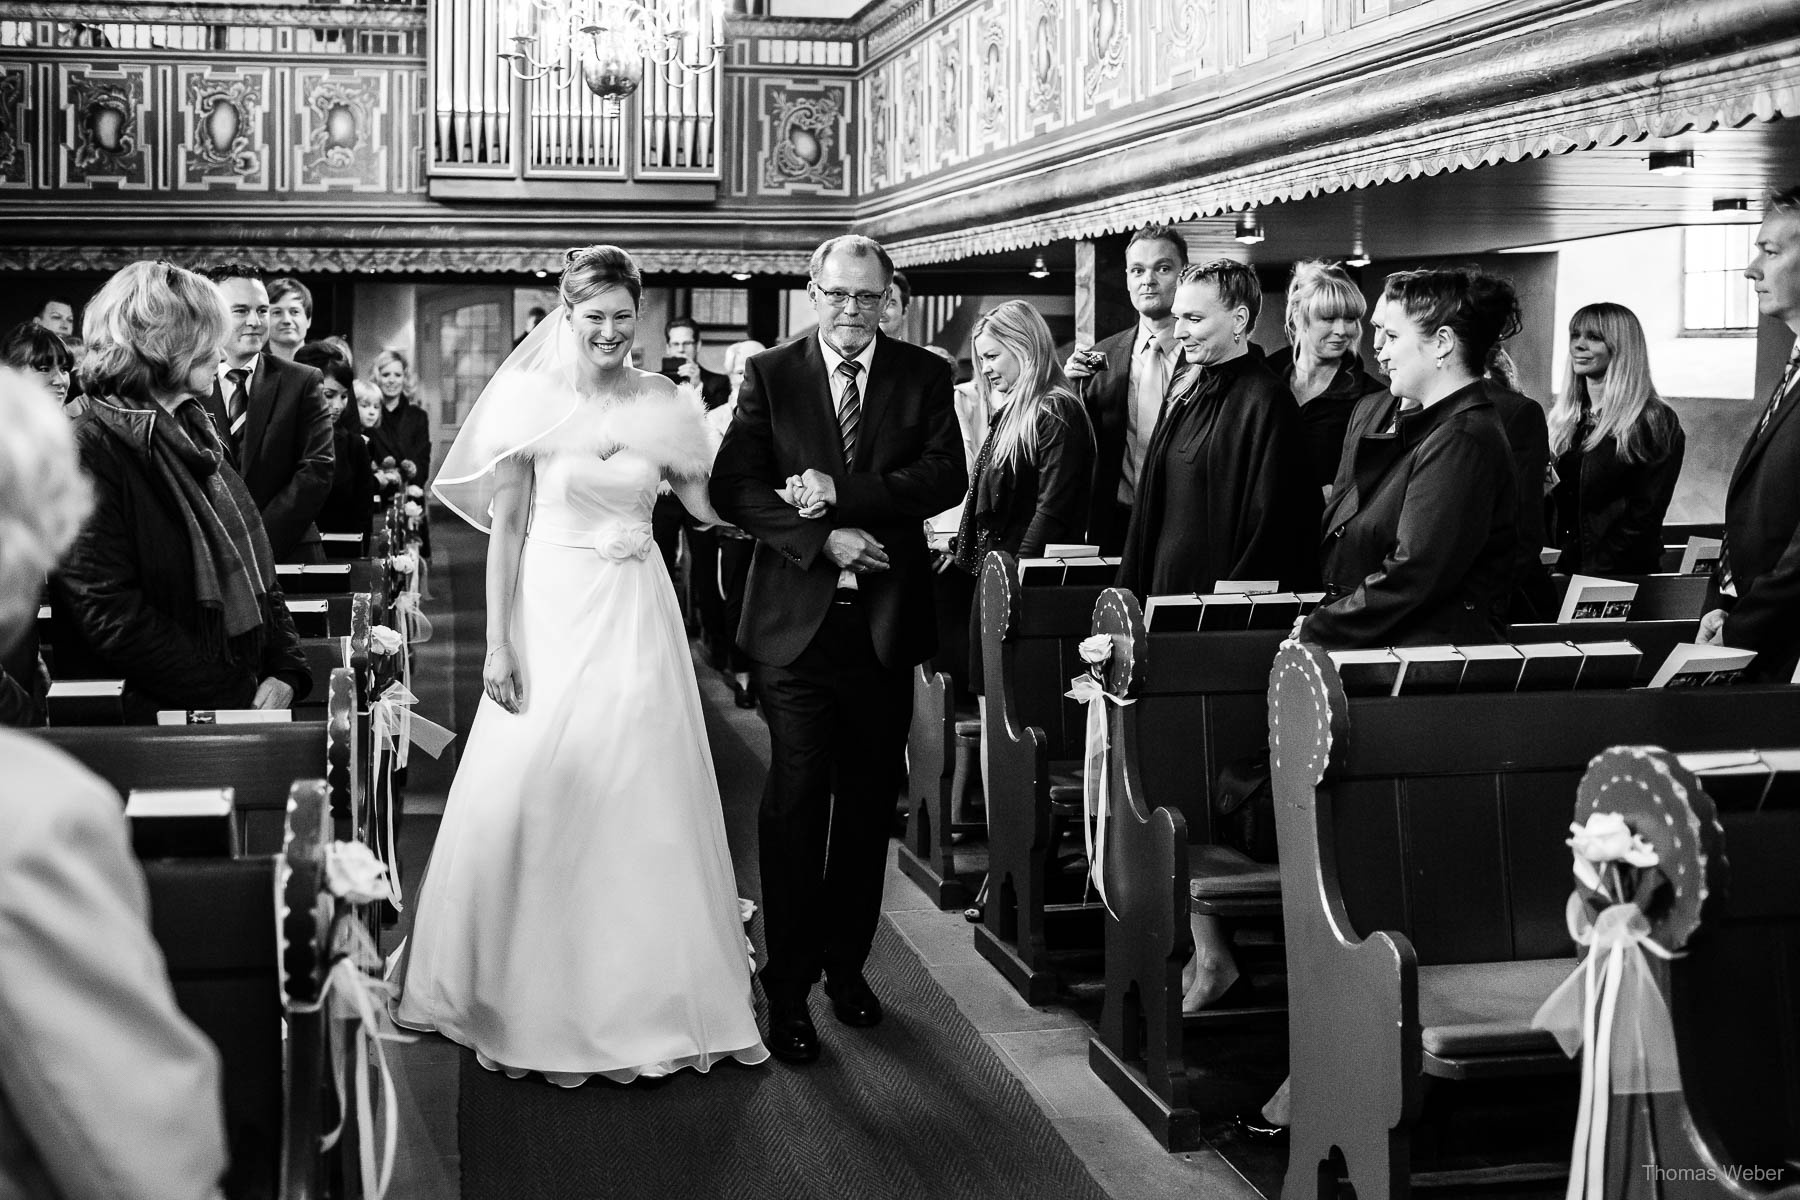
402 563
413 509
620 541
385 640
1607 838
415 492
1096 649
353 873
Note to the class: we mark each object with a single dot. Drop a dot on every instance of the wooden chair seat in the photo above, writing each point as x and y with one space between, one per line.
1066 788
968 727
1224 873
1471 1010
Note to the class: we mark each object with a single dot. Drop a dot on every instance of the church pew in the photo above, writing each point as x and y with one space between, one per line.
1665 596
934 774
246 953
1732 912
1653 638
1424 879
1031 743
258 762
1196 702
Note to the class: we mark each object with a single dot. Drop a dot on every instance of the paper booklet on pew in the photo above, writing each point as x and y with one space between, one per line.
1092 570
1607 664
1367 672
1428 670
341 539
1549 556
312 618
1310 601
1701 556
1492 668
225 716
1748 780
1690 665
1593 599
1549 666
182 822
1071 550
315 570
86 702
44 613
1172 614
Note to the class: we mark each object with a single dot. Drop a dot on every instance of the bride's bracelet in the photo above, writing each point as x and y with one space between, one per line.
493 650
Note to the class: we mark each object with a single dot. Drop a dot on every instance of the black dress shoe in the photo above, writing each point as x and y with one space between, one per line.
792 1038
853 1002
743 697
1252 1126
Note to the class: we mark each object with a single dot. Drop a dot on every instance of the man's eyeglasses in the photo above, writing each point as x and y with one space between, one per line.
839 298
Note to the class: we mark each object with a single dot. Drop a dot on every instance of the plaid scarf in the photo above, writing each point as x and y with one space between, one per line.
234 570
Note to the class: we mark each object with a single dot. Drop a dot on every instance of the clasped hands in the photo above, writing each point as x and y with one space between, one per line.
813 492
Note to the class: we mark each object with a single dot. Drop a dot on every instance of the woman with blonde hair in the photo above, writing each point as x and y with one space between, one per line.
1030 482
402 441
1617 449
1320 365
171 585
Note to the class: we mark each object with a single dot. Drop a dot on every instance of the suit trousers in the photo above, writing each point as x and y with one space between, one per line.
838 722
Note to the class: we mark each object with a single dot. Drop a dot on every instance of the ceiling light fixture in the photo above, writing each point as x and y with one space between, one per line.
1249 228
1358 256
609 43
1671 162
740 276
1038 269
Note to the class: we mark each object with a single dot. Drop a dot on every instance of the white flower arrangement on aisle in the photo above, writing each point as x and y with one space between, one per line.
1600 846
414 492
355 874
403 563
385 640
414 510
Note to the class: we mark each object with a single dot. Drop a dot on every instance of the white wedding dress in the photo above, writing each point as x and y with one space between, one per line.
579 915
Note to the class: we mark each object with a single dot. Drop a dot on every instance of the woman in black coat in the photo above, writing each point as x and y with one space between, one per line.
1033 476
1223 493
1419 547
1320 364
171 585
403 439
1616 446
350 505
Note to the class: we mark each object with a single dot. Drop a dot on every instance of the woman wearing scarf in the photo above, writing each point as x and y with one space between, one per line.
171 585
1224 492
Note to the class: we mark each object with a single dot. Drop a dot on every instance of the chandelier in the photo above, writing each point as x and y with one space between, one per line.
608 43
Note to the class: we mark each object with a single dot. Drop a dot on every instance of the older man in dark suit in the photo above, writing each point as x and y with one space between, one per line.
1124 379
273 419
1758 581
842 445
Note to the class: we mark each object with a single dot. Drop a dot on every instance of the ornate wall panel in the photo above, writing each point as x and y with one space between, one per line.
341 121
803 132
878 128
1108 35
1184 42
914 103
995 77
107 126
951 99
225 129
1045 80
15 127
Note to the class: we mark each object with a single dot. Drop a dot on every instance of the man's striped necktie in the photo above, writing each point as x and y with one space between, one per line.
849 408
237 407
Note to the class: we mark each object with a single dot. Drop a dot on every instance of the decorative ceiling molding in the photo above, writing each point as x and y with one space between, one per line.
174 12
1650 68
403 260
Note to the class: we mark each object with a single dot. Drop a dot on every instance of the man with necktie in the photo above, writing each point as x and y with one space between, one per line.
1758 580
272 417
843 444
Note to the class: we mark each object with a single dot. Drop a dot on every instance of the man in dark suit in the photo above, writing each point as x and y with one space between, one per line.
841 446
272 417
1124 379
1758 581
681 339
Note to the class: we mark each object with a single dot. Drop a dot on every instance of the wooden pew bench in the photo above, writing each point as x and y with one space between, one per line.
246 953
944 852
1197 702
1031 742
1424 879
259 762
1733 915
1665 596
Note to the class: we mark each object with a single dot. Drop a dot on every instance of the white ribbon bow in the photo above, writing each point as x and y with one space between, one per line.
395 727
415 626
1583 1012
353 994
1096 807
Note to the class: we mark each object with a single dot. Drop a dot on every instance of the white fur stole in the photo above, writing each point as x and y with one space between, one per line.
662 425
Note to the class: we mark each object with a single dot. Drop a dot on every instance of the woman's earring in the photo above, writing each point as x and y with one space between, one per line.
1238 336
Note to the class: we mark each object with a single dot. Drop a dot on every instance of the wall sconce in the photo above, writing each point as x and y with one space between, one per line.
740 276
1249 228
1038 269
1671 162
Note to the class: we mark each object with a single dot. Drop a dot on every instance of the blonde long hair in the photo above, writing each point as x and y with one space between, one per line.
1629 411
1020 329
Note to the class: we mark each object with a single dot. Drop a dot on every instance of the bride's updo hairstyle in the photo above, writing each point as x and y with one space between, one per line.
590 270
1482 310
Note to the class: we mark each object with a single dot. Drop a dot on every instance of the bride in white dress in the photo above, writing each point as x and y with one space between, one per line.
579 915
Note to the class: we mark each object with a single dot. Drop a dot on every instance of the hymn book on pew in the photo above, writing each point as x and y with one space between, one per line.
1092 570
1701 556
182 822
1691 665
1593 599
86 702
312 618
1748 780
1441 670
225 716
1227 610
311 571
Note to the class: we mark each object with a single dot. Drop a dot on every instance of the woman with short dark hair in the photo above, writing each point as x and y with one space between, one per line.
349 506
1223 493
171 585
40 352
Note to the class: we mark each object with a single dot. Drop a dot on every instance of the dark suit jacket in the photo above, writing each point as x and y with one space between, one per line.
715 389
1223 493
287 460
1029 505
1419 548
1105 394
908 468
1609 520
1762 531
